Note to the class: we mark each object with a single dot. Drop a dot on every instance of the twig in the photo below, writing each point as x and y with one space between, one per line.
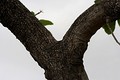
39 12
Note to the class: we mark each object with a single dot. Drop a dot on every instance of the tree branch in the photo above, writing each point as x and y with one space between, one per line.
34 36
56 57
86 25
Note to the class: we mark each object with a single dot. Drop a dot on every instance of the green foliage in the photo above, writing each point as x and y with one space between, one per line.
111 29
111 25
33 13
96 1
45 22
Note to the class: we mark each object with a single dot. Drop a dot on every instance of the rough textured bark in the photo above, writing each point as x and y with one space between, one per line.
61 60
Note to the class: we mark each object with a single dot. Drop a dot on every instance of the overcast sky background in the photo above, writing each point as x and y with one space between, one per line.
102 59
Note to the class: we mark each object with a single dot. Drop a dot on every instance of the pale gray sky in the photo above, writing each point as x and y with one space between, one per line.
102 59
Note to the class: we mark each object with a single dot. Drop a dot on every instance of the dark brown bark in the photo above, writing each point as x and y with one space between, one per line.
61 60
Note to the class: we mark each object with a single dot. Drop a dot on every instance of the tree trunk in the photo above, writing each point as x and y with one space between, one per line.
61 60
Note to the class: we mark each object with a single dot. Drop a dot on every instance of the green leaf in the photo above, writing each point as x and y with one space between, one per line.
45 22
111 25
118 21
97 1
33 13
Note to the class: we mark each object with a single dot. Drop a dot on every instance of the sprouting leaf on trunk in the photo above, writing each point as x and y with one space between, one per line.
118 21
33 13
97 1
107 29
45 22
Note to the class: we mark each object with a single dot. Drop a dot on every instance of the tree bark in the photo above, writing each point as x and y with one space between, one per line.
61 60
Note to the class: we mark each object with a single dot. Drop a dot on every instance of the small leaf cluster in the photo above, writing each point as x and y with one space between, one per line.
97 1
111 25
43 21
